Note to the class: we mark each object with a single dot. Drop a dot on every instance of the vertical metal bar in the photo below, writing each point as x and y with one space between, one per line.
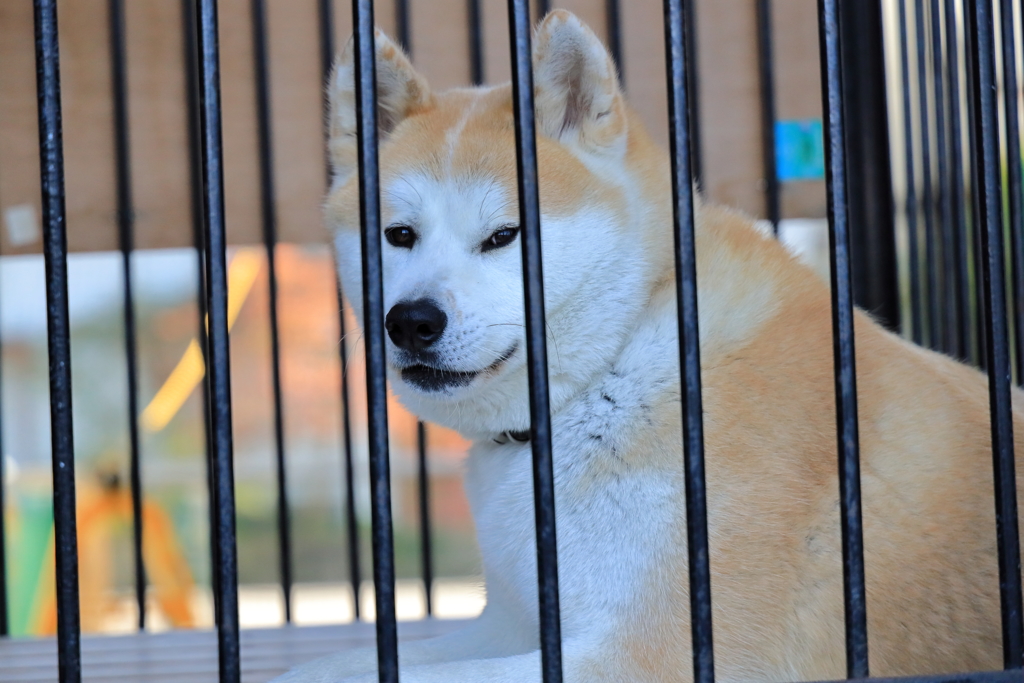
843 341
766 73
373 328
1015 187
959 246
873 244
325 9
613 29
986 161
951 316
268 215
426 554
692 66
679 90
965 339
51 163
476 43
218 370
930 236
403 25
355 570
536 347
976 297
191 66
916 315
125 228
975 238
325 24
543 7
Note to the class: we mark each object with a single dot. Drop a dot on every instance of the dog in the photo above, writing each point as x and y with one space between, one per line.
457 356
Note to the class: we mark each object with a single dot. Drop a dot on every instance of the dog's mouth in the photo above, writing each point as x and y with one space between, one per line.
429 378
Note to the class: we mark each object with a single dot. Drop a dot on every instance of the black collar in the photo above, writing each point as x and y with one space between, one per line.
513 437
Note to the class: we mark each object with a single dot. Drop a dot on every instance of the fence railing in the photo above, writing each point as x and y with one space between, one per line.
955 269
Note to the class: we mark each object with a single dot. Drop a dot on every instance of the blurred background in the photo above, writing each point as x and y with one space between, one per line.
174 469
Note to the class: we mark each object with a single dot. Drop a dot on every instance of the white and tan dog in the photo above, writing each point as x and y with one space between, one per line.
453 293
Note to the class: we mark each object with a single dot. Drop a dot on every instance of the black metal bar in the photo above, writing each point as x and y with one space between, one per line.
325 24
949 336
373 328
125 230
986 161
536 346
191 66
916 315
58 332
426 554
476 42
869 183
766 73
843 340
403 25
543 7
218 370
355 570
351 519
692 66
680 130
325 9
613 30
930 236
961 251
974 238
960 246
1011 117
268 216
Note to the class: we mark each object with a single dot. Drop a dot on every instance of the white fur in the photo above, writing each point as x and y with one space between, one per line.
482 294
613 518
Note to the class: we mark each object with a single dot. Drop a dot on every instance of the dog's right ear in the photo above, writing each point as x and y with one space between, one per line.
401 90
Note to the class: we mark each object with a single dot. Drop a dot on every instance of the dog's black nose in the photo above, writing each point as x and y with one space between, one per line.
415 325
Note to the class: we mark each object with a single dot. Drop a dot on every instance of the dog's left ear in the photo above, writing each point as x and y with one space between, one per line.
576 87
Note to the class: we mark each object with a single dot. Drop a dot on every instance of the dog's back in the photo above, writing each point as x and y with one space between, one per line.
772 477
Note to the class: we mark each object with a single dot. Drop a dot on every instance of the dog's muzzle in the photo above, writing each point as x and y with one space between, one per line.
434 379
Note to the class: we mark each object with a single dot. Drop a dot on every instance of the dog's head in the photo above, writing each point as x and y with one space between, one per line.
453 288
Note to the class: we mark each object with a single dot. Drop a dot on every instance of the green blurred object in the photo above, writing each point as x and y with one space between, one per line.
29 541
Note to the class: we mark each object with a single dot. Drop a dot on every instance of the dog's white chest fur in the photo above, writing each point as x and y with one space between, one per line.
614 510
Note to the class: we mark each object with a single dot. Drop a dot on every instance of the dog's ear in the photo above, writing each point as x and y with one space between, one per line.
401 90
576 88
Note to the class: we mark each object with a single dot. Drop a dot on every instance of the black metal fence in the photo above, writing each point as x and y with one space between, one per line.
954 268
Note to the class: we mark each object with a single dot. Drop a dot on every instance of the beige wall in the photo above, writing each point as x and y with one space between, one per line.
729 92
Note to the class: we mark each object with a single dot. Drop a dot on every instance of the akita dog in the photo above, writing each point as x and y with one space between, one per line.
455 318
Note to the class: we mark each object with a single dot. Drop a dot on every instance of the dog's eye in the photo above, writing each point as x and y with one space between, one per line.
500 238
400 236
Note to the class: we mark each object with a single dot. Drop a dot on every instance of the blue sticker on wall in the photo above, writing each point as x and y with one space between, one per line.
799 150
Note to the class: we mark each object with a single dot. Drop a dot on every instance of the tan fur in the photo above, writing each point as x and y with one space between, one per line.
772 477
770 434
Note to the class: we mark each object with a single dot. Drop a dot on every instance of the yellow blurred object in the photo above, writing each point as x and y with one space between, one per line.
188 373
101 513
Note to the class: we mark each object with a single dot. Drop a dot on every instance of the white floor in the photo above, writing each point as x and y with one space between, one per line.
316 604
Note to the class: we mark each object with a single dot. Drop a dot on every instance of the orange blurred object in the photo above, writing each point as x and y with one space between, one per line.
103 511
